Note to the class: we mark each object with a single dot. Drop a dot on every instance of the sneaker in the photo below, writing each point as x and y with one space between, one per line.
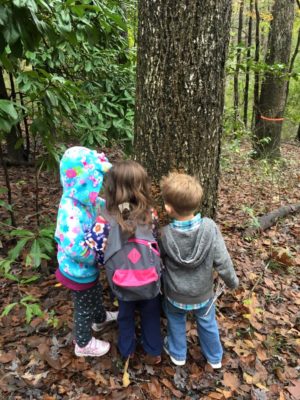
215 366
110 317
94 348
180 363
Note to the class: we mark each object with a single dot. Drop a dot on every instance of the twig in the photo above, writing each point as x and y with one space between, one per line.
219 290
260 277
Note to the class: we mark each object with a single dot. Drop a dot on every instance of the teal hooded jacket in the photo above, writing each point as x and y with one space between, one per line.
81 175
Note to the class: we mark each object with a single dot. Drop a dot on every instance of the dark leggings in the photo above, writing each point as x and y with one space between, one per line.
88 308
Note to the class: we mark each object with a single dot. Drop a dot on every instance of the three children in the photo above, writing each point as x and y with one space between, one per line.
191 246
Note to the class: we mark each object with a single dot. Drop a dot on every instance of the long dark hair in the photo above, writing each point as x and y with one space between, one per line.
128 182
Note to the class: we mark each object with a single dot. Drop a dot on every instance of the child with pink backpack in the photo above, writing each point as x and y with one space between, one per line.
131 257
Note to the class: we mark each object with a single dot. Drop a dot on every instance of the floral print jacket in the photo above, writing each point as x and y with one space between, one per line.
81 174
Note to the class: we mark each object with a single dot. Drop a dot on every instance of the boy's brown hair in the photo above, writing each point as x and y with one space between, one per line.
182 192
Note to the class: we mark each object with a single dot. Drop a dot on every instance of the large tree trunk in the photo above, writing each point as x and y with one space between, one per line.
271 104
180 89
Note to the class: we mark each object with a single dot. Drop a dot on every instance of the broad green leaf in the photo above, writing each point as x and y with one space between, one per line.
15 252
7 107
36 253
22 232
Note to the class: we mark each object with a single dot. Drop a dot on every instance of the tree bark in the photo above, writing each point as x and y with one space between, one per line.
267 133
293 58
256 59
247 79
238 60
180 89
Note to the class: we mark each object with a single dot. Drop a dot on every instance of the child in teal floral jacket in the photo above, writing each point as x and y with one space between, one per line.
81 173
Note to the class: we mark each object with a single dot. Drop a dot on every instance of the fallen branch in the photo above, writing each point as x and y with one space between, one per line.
270 219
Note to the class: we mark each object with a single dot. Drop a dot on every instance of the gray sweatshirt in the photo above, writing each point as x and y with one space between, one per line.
190 257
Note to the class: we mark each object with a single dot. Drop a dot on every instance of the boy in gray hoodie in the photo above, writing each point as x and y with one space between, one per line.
192 247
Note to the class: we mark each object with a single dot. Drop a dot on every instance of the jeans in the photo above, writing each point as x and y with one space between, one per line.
208 332
150 326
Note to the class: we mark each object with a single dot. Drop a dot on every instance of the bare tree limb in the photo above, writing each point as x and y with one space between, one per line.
268 220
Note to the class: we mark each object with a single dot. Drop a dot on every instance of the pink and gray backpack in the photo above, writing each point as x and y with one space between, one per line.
133 265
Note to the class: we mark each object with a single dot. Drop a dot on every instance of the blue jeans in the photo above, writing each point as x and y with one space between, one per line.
208 332
150 326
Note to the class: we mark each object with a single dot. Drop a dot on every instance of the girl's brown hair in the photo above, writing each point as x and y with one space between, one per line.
128 182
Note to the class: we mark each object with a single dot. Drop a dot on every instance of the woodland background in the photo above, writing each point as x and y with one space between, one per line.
70 74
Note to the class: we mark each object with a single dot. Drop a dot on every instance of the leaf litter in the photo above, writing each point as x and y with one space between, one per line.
259 323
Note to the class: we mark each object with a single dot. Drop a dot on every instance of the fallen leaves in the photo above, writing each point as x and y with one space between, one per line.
258 322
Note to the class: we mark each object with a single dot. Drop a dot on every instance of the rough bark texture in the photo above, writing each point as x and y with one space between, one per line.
256 59
180 89
273 91
247 76
238 60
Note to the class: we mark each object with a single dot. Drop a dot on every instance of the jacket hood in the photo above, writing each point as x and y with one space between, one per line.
189 248
81 173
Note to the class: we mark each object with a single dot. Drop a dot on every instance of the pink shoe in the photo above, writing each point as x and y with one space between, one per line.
94 348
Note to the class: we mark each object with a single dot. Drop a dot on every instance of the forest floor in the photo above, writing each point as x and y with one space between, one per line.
258 322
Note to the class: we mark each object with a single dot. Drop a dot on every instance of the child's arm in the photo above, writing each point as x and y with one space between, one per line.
96 237
223 263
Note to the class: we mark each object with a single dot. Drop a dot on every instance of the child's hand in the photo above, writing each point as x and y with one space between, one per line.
96 237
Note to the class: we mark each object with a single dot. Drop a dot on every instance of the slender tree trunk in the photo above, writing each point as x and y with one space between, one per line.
15 154
256 59
298 133
238 60
8 187
27 135
272 100
180 89
247 81
14 97
292 64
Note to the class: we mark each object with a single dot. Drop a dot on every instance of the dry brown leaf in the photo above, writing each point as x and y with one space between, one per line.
7 357
226 393
154 388
231 380
34 379
169 385
261 353
216 395
283 256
